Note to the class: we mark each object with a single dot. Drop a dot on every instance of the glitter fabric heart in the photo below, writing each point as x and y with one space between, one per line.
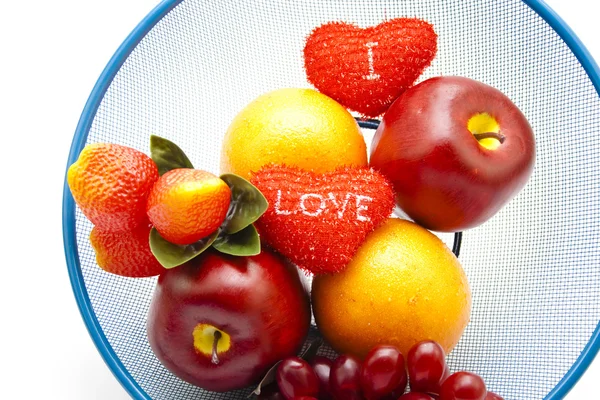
366 69
318 221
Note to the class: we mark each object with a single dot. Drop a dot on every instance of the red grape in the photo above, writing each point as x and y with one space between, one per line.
415 396
322 367
344 378
296 378
426 366
492 396
463 386
305 398
383 373
446 374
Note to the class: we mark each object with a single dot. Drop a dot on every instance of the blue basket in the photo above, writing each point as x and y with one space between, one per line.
534 268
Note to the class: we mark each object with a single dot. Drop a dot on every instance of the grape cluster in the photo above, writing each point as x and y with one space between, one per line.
383 375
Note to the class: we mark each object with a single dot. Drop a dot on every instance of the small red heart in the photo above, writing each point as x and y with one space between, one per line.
318 221
365 70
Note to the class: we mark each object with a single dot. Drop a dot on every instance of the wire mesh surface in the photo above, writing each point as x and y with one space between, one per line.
534 269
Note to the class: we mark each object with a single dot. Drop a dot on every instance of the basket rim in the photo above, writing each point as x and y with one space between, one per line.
90 319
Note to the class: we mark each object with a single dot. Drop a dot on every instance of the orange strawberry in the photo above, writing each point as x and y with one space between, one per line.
110 183
125 253
186 205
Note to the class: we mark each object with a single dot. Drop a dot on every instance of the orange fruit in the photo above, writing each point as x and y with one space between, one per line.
403 285
187 205
125 253
110 183
296 127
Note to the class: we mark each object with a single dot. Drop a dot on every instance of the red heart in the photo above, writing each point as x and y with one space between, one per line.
318 221
365 70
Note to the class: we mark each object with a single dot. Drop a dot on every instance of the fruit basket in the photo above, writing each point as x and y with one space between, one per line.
534 268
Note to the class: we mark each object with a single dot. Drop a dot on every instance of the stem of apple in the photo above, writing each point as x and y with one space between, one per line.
486 135
215 358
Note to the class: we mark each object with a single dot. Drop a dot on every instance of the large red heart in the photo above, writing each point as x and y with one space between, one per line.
318 221
365 70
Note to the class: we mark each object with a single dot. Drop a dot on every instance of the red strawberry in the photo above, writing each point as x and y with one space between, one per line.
367 69
318 221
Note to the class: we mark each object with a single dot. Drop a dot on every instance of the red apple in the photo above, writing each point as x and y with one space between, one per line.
220 322
456 151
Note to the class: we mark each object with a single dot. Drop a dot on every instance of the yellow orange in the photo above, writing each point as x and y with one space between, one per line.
110 183
296 127
187 205
403 285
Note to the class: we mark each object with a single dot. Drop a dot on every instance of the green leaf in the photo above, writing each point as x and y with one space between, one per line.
167 155
170 255
247 203
243 243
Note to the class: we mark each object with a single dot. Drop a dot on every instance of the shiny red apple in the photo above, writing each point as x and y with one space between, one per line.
456 150
220 322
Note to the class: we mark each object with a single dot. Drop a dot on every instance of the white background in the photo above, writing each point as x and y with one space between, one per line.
51 53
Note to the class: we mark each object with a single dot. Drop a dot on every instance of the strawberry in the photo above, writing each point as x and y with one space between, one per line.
365 70
318 221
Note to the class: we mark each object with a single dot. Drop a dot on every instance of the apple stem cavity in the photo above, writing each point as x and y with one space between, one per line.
215 358
490 135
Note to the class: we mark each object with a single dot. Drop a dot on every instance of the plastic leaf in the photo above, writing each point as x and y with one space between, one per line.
170 255
247 203
167 155
243 243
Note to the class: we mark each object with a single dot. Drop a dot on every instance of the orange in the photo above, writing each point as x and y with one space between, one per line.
187 205
125 253
110 183
296 127
403 285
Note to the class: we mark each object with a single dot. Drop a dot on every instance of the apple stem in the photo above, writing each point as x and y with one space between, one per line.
495 135
215 358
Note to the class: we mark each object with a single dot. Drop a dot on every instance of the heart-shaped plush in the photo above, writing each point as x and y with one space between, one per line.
318 221
365 70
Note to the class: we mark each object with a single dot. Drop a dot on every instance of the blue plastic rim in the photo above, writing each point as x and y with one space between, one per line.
68 207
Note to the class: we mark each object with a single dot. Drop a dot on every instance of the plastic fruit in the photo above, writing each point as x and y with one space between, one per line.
383 373
186 205
110 183
344 378
456 150
307 209
401 270
426 366
415 396
296 378
125 253
322 367
463 386
365 69
220 322
295 127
